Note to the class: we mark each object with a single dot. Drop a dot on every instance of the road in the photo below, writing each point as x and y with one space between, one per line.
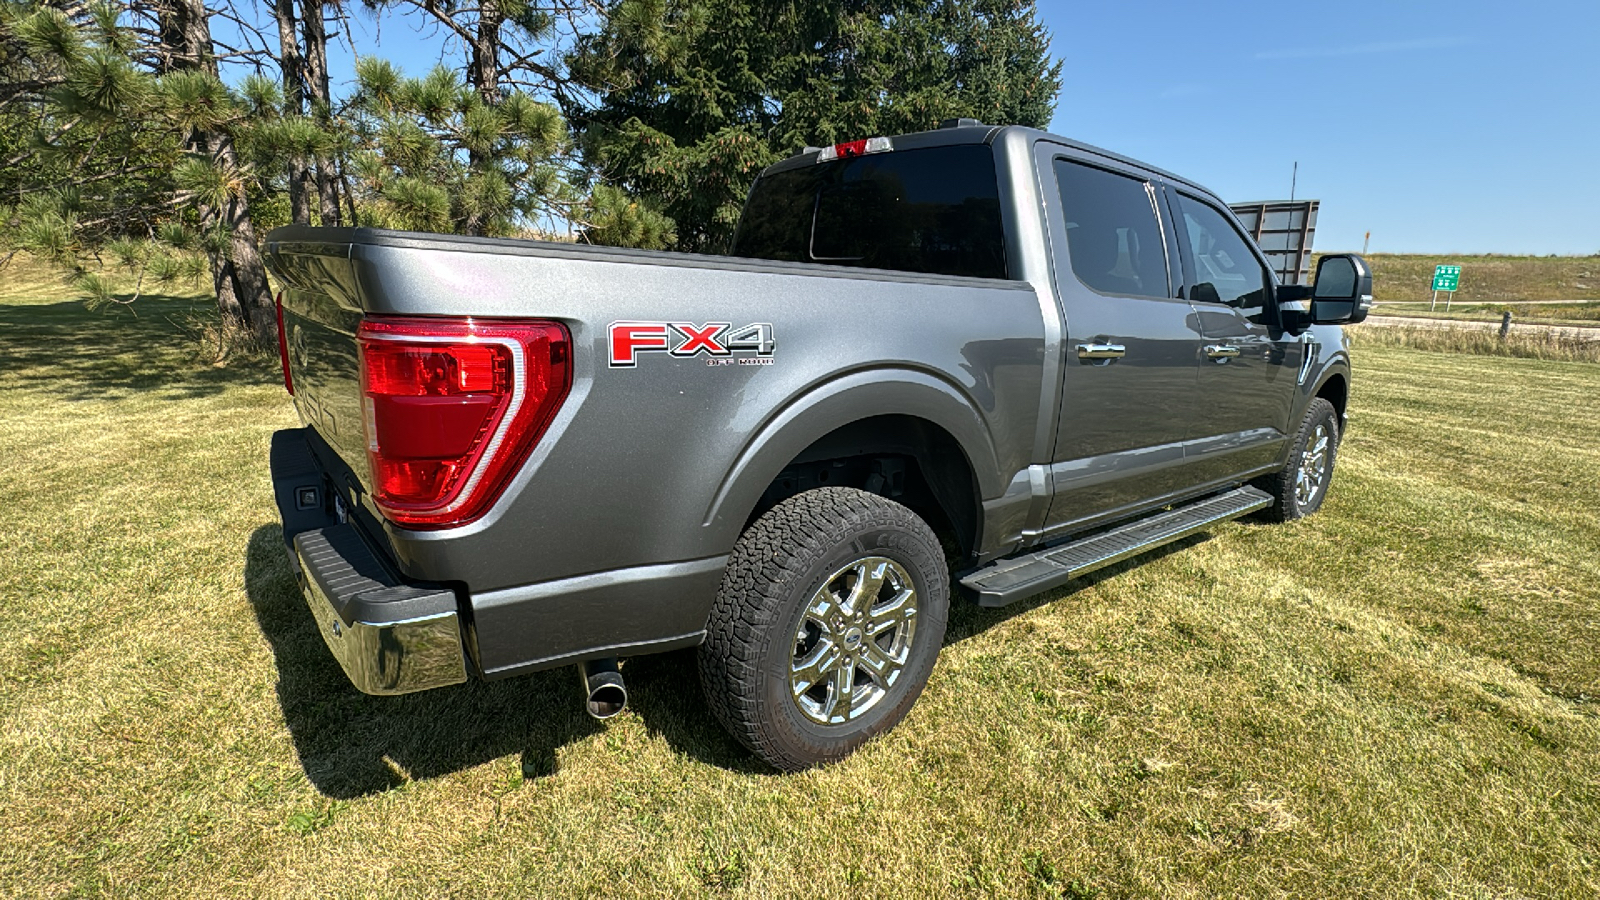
1577 332
1481 302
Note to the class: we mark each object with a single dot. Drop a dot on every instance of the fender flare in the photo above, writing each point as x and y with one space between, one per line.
825 407
1337 365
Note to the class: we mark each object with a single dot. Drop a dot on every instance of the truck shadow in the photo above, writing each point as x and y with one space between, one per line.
351 744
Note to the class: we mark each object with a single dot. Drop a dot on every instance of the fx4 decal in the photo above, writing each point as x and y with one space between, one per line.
718 340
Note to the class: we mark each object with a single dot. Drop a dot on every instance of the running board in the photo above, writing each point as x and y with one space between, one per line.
1009 580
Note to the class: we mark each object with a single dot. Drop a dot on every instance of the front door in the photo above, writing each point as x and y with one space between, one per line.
1132 346
1249 366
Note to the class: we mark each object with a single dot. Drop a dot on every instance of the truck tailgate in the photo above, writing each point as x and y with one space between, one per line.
321 312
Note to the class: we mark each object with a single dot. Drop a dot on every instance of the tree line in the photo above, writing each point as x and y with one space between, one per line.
160 139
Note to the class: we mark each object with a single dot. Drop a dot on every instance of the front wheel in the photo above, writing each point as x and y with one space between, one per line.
831 614
1299 489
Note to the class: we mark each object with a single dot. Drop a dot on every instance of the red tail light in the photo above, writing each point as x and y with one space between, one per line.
453 408
283 347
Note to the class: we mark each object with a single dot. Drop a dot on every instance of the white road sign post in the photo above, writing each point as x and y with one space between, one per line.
1445 278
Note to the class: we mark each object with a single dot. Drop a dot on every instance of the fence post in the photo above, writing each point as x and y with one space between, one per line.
1505 325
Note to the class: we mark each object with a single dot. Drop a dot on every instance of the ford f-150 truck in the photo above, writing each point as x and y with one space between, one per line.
979 350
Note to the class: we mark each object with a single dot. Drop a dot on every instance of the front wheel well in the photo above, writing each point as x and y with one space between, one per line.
1336 391
908 459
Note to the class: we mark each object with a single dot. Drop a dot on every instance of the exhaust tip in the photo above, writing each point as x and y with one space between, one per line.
602 683
607 700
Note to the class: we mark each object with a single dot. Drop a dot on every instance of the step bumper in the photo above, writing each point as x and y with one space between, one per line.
389 637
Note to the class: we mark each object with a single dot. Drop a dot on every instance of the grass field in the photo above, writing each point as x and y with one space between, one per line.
1487 279
1396 697
1542 343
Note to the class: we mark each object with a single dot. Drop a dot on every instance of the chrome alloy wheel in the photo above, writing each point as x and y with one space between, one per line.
853 640
1313 465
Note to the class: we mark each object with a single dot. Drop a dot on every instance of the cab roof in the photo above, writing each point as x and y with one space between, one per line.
969 131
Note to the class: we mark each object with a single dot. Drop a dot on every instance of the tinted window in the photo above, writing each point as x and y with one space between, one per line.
1113 235
935 210
1225 270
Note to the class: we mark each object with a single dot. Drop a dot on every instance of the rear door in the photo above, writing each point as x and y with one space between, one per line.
1132 344
1248 365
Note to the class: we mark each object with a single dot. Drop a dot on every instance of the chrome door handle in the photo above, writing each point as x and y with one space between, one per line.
1223 352
1101 351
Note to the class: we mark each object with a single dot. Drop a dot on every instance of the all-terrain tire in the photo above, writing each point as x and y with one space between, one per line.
767 610
1299 489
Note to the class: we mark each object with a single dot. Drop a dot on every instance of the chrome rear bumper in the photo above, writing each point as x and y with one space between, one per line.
389 638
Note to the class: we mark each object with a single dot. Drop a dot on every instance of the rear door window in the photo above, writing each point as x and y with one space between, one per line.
1113 234
934 210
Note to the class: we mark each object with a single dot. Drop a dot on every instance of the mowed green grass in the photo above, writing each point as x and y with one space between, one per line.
1395 697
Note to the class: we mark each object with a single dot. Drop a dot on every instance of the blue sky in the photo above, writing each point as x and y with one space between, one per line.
1438 126
1465 127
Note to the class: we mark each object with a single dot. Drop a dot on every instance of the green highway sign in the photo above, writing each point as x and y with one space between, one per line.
1446 278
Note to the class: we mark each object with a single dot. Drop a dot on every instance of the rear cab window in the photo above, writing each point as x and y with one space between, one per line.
1114 236
934 210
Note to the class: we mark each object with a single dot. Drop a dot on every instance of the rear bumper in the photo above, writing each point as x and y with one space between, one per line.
395 630
390 636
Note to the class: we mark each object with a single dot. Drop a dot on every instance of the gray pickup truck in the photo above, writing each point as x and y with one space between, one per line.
978 350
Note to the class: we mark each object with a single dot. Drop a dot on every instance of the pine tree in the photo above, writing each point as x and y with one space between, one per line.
131 152
433 156
692 98
498 115
500 40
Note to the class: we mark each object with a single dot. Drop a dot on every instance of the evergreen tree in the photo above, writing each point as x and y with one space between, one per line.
433 156
121 145
303 140
129 151
692 98
486 151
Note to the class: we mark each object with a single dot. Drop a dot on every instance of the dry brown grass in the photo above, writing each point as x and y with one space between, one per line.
1547 345
1393 698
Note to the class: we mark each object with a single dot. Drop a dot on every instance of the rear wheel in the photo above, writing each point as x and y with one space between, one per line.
830 617
1299 489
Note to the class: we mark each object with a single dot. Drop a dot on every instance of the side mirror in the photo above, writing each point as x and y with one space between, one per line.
1342 292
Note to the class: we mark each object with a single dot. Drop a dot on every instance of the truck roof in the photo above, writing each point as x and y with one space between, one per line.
985 134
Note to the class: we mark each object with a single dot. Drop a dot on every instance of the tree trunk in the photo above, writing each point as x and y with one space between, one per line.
294 104
250 273
315 25
232 315
484 69
483 73
172 17
239 276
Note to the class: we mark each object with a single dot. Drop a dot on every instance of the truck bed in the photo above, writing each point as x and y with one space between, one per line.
648 473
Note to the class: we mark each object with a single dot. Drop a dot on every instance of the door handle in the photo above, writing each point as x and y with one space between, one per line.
1222 352
1101 351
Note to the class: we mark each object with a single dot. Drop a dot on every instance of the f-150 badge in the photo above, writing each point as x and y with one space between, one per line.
750 345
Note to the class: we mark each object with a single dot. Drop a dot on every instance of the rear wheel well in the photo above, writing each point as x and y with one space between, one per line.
904 458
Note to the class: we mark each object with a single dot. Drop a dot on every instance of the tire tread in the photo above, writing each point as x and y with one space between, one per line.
1281 484
757 592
